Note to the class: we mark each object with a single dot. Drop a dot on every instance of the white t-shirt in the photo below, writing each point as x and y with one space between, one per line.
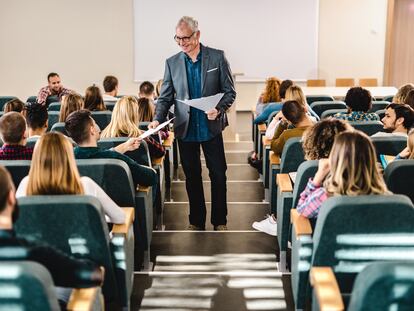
109 98
385 134
113 213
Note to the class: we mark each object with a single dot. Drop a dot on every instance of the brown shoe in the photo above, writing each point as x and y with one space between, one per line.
220 228
194 228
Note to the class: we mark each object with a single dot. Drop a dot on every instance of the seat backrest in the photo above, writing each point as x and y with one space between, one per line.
319 98
292 155
378 105
388 98
113 176
52 99
26 285
18 169
271 115
398 176
389 145
143 126
352 231
368 127
330 112
59 127
53 117
305 171
316 82
102 118
55 106
348 82
31 99
74 224
140 155
320 106
367 82
384 286
110 105
4 100
380 113
31 141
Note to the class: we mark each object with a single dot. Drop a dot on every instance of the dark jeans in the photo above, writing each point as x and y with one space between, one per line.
216 163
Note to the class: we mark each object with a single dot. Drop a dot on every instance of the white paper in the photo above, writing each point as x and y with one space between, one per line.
204 103
155 130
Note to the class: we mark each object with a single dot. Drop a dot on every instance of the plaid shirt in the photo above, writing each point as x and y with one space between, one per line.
45 92
311 200
15 152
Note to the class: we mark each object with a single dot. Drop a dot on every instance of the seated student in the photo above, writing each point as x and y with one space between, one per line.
125 123
15 105
317 144
66 271
53 171
294 114
271 107
70 103
37 119
13 132
409 100
82 128
158 89
270 94
110 84
408 152
397 121
54 88
93 99
351 169
359 101
402 93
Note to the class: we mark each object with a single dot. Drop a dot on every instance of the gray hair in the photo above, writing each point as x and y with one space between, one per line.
190 21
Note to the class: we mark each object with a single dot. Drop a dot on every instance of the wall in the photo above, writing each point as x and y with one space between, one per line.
86 40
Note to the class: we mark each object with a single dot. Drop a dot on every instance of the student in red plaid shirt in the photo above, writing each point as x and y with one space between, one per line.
14 134
54 88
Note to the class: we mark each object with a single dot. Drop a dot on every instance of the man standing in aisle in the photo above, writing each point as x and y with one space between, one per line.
198 71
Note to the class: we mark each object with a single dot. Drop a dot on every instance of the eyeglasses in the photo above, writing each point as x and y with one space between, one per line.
184 39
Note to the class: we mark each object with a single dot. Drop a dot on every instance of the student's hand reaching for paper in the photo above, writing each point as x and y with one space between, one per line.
212 114
153 124
130 145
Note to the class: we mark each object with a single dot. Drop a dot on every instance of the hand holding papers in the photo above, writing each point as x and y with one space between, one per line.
204 103
155 130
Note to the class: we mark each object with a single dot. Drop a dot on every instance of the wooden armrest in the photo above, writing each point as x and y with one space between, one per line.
302 224
261 127
284 183
129 219
158 161
326 289
266 141
82 298
143 189
169 141
274 158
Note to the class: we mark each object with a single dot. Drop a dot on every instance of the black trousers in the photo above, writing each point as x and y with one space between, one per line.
216 163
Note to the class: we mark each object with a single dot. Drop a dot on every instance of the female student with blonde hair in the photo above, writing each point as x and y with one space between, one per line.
54 172
70 103
125 123
350 170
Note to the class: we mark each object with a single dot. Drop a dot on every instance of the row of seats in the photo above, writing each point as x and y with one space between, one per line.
343 82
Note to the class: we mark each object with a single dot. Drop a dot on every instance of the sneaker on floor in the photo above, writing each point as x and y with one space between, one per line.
194 228
267 225
220 228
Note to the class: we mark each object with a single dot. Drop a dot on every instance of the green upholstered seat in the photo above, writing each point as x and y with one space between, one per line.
110 105
102 118
31 141
26 285
378 105
391 145
315 98
4 100
76 225
320 106
368 127
54 106
31 99
288 200
143 126
384 286
351 232
399 177
380 113
18 169
388 98
330 112
53 117
59 127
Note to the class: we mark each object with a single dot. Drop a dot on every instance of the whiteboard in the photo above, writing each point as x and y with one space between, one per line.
261 38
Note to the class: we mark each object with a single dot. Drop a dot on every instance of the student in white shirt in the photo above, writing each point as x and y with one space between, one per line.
54 172
110 84
397 121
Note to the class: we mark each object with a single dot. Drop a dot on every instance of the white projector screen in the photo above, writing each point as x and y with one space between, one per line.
261 38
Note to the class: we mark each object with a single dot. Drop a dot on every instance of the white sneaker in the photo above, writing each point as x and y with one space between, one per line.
267 225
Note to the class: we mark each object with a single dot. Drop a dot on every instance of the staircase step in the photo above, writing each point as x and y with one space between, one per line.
234 156
237 191
238 145
234 172
240 216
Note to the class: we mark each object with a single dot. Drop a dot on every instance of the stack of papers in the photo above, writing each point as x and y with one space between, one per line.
203 103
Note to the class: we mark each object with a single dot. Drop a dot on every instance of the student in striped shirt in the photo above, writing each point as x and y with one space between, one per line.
350 170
